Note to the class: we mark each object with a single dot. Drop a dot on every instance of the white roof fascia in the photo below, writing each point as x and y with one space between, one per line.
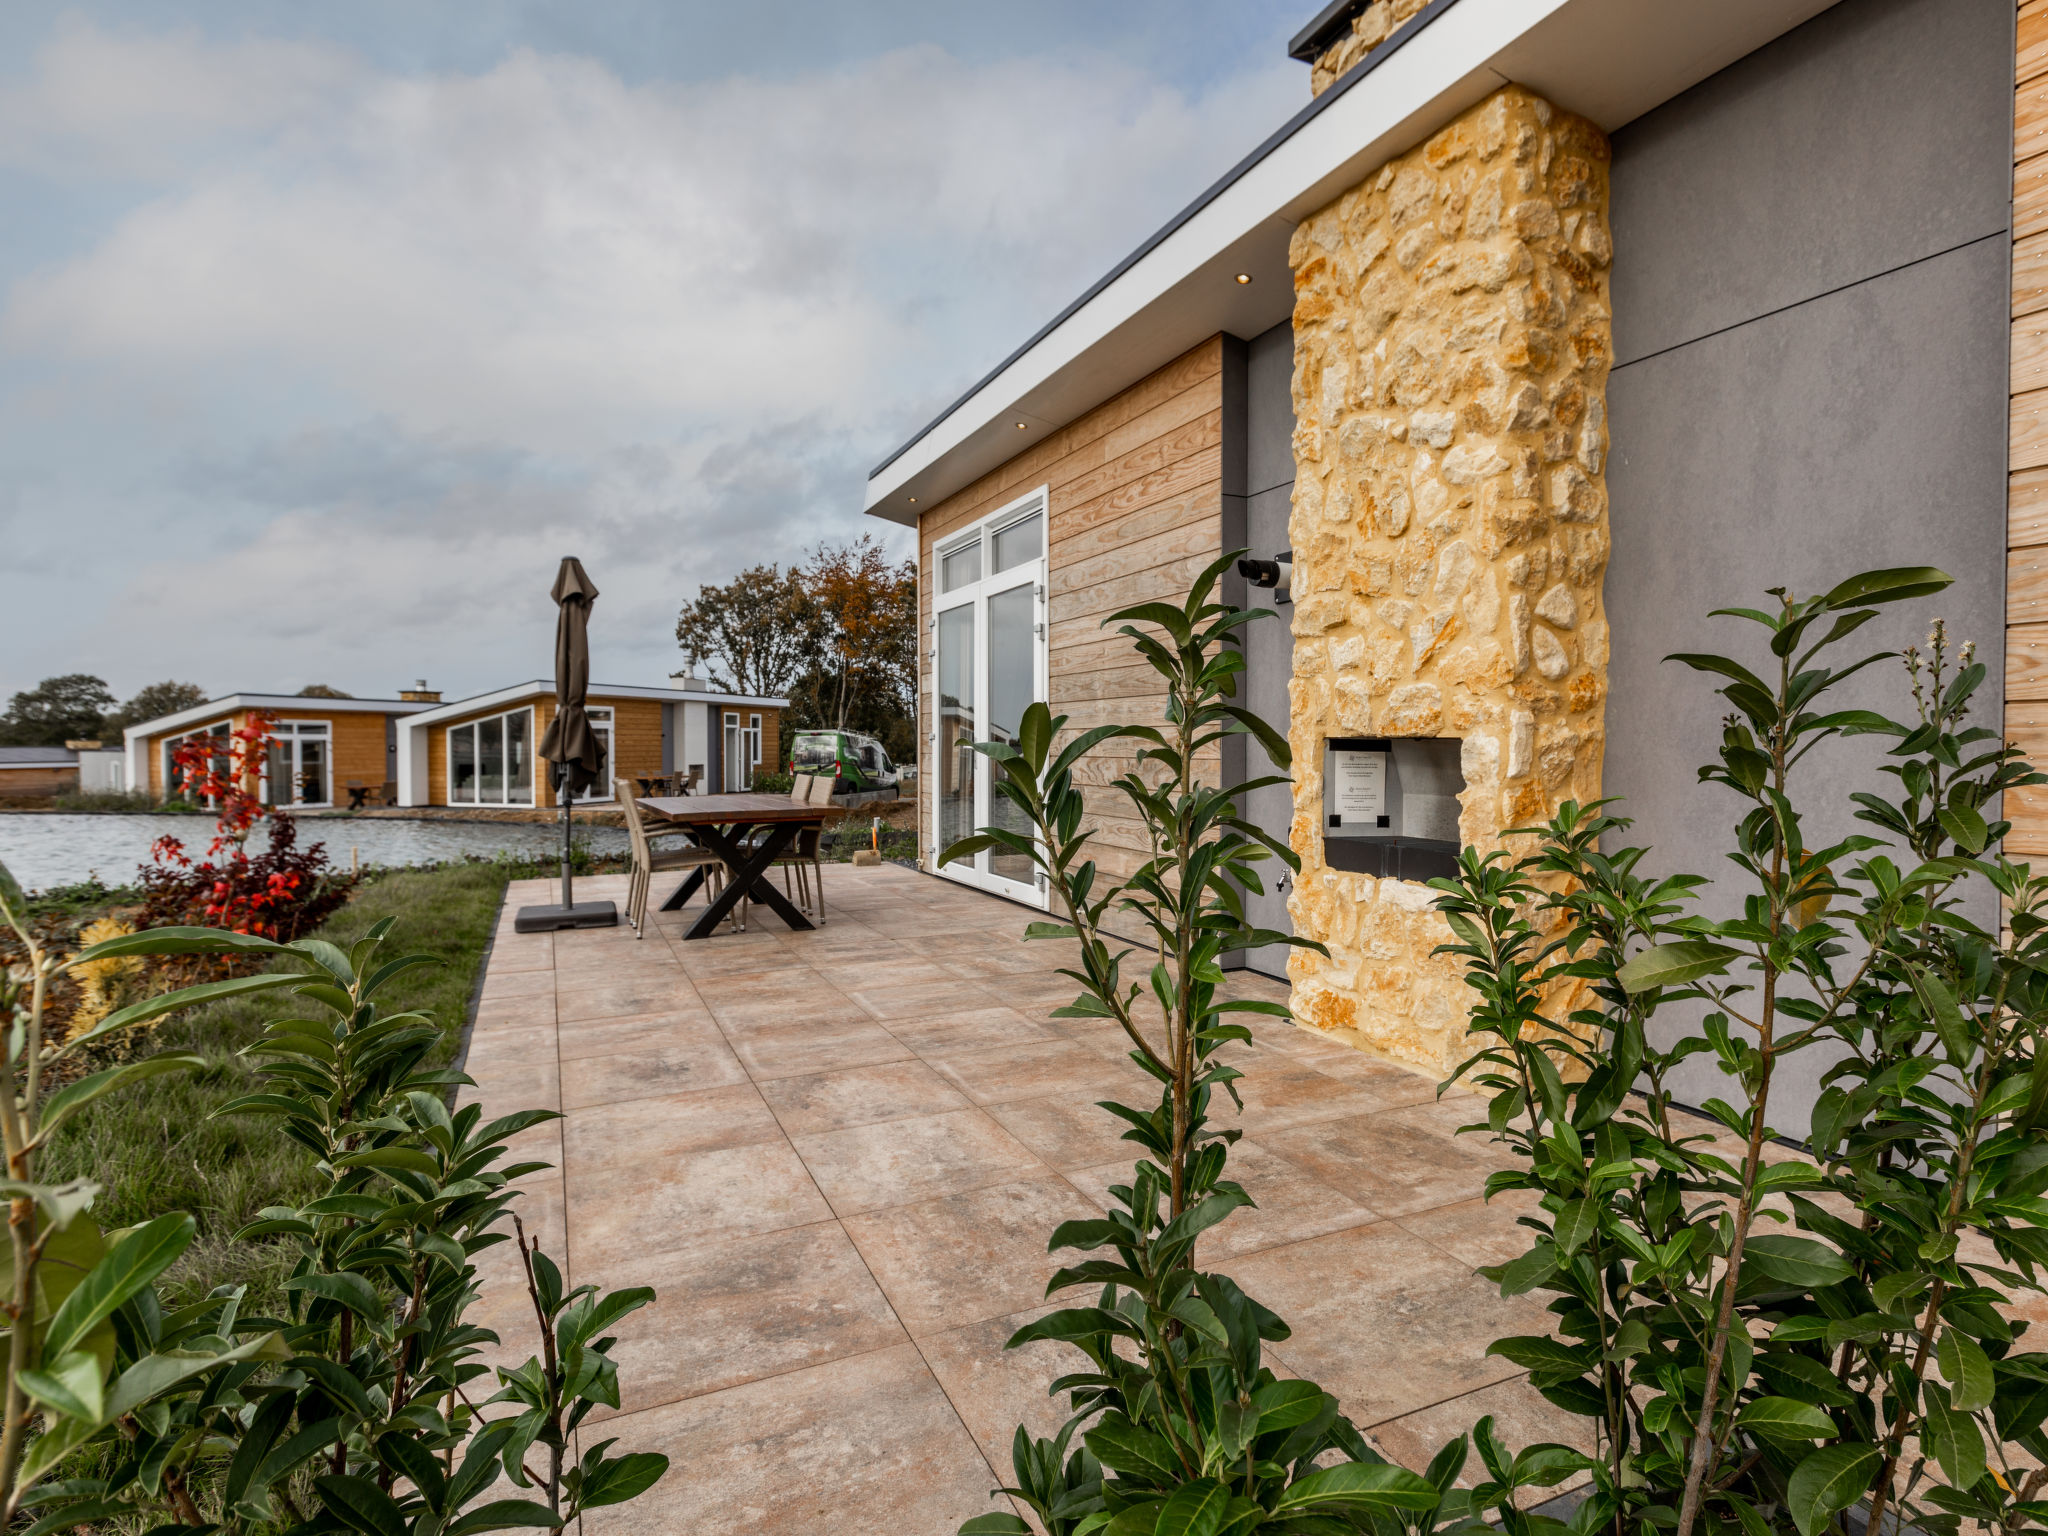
540 687
213 709
1609 60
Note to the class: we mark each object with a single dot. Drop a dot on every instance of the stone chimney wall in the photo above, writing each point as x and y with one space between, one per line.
1371 27
1449 522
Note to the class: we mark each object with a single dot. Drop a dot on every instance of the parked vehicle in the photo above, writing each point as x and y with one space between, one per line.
858 764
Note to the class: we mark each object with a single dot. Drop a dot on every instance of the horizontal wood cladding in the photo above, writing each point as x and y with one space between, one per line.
1135 511
37 783
2026 576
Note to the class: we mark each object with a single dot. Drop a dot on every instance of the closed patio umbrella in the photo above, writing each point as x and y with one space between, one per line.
570 746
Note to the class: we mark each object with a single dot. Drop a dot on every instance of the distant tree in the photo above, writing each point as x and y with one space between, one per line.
867 638
56 710
153 703
754 635
322 691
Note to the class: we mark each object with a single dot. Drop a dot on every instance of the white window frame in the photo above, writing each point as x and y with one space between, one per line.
976 593
533 758
223 728
603 722
294 731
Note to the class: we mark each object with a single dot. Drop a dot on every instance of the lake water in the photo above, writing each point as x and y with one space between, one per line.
43 850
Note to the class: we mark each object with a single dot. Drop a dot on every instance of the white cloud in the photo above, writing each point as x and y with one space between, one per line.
602 314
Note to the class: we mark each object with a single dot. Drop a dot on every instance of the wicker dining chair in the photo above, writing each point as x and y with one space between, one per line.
648 861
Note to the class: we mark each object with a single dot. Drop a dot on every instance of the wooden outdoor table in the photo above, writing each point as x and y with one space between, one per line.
723 824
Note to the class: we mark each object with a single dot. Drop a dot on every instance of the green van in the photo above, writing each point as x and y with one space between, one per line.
858 764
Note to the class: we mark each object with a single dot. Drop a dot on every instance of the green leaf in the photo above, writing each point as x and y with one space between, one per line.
1967 1369
1360 1485
351 1291
1952 1438
1887 586
1784 1418
1795 1261
59 1203
995 1525
627 1477
67 1101
132 1263
405 1159
503 1515
1579 1220
1122 1446
154 1375
361 1505
1828 1482
187 997
175 941
1962 823
1194 1509
1672 965
73 1384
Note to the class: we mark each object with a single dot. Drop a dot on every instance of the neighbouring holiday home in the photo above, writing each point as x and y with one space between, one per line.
1545 327
416 750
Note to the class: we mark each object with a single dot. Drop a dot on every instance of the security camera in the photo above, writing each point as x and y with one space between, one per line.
1273 574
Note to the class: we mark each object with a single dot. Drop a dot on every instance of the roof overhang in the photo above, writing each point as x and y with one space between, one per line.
214 709
519 693
1608 60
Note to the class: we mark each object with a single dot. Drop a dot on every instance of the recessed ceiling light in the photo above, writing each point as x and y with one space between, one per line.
1244 277
1020 426
913 501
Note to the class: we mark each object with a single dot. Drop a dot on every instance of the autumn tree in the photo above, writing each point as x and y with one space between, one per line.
866 658
754 635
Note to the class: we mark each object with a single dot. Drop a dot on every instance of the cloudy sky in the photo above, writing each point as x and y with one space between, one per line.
326 330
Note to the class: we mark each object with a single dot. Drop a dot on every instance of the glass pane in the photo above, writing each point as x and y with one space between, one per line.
490 761
1019 542
1012 649
602 788
518 761
313 770
955 724
960 567
462 765
277 774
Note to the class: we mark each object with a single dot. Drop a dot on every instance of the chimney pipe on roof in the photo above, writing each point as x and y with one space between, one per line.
420 693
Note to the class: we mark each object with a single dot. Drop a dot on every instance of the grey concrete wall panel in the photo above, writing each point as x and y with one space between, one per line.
1862 430
1877 134
1270 409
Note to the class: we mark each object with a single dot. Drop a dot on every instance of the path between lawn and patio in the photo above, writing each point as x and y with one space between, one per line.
837 1157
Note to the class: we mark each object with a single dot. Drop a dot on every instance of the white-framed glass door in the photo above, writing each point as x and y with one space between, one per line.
989 663
299 770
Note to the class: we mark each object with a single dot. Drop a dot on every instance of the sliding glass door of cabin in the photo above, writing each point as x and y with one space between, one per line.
989 664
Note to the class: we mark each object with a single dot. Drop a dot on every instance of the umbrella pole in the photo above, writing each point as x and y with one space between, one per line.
568 877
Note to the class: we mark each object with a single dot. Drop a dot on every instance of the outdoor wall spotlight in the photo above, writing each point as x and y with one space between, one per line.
1244 277
1275 574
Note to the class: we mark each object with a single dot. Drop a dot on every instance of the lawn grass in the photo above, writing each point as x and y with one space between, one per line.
156 1147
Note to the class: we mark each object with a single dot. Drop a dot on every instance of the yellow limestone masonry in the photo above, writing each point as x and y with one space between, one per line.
1449 523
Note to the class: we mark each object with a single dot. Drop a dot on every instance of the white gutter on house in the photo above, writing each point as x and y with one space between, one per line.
1608 60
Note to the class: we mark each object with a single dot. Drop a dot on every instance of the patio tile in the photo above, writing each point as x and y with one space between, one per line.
1006 1073
995 1389
869 1167
1384 1320
943 1263
1522 1417
863 1444
1397 1163
737 1310
521 952
1279 1092
503 1087
924 1000
509 1045
976 1029
500 986
672 1207
799 1049
1069 1130
515 1012
832 1101
692 1056
1477 1232
903 970
653 993
1291 1206
604 1037
654 1132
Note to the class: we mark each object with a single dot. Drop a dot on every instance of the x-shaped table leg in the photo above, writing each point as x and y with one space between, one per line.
748 866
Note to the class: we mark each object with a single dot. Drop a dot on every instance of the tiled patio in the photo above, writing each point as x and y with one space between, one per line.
837 1157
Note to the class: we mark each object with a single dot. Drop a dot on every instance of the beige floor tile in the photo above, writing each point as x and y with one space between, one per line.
1396 1163
509 1046
651 1133
503 1087
504 985
604 1037
800 1049
1279 1093
1291 1206
869 1167
654 993
866 1444
1069 1130
737 1310
976 1029
1522 1417
995 1389
679 1205
515 1012
925 999
1382 1319
832 1101
688 1057
1477 1232
1005 1073
982 1253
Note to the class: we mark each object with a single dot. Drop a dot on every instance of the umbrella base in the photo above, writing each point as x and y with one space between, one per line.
585 914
